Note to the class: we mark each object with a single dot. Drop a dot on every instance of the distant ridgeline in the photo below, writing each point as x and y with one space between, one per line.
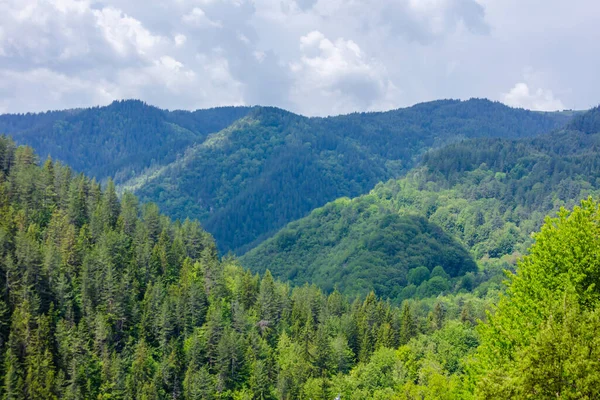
118 141
485 195
247 172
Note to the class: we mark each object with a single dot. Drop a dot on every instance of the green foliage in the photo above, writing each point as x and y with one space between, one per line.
588 122
102 298
541 342
418 275
487 195
359 246
120 140
246 172
268 168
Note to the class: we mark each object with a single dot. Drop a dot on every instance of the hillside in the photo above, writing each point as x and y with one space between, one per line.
103 298
272 167
588 122
120 140
107 298
263 167
487 194
357 246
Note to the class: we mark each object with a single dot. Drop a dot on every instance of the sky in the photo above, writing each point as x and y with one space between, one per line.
313 57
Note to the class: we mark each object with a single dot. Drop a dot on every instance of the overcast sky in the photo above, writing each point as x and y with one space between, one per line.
315 57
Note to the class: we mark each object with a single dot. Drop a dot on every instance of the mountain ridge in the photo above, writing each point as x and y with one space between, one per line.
338 156
489 194
274 166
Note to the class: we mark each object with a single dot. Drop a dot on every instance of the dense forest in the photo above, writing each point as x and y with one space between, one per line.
104 297
119 141
487 194
247 172
273 167
357 246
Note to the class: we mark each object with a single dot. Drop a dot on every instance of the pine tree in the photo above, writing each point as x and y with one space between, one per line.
16 351
293 369
260 384
231 360
268 304
466 314
77 202
437 316
199 384
111 206
215 328
342 357
40 381
322 352
129 213
140 378
48 188
408 328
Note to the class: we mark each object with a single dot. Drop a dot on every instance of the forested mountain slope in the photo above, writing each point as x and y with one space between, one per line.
360 245
16 123
487 194
106 298
273 167
262 167
117 141
103 298
588 122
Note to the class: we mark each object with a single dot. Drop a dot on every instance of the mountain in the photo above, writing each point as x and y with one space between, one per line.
15 123
102 297
357 246
487 195
588 122
272 167
247 172
120 140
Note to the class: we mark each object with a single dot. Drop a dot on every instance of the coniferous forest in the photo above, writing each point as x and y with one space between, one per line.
245 173
465 265
481 200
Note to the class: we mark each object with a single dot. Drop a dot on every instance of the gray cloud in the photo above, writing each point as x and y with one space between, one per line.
316 57
336 76
426 21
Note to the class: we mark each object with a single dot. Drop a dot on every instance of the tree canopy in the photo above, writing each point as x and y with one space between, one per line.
102 296
358 246
247 172
542 340
474 200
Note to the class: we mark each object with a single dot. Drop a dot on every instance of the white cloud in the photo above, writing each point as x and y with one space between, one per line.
2 53
336 75
198 18
539 99
166 71
422 21
259 55
443 16
42 88
38 32
311 56
125 34
180 40
326 62
67 53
